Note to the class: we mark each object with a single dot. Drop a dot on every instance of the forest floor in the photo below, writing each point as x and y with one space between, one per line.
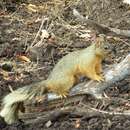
24 60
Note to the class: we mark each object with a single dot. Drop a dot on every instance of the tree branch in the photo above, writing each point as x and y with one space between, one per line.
100 27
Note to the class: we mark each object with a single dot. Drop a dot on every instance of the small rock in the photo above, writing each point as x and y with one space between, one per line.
48 124
7 66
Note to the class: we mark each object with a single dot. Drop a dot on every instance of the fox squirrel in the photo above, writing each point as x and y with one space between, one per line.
86 62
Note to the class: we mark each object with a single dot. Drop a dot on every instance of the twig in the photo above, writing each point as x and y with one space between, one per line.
43 21
101 28
125 42
53 116
125 113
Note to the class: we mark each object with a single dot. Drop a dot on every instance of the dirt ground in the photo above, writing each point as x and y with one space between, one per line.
19 24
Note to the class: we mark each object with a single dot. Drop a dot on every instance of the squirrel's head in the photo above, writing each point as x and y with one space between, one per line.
101 45
101 42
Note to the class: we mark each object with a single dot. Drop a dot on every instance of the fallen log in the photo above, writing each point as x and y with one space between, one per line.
112 75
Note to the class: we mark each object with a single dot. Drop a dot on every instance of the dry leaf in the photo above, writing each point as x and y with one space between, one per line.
86 35
24 58
51 40
5 75
77 124
126 1
45 34
32 8
40 99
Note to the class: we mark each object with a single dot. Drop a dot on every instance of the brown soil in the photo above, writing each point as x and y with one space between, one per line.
18 28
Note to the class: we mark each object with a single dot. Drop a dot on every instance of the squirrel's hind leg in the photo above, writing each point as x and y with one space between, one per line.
63 89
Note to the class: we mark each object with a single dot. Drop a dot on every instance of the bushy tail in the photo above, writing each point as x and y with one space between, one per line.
13 102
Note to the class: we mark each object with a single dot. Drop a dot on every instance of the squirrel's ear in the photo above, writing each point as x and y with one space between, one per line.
99 42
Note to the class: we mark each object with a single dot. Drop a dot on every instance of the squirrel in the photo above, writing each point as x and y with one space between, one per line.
86 62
